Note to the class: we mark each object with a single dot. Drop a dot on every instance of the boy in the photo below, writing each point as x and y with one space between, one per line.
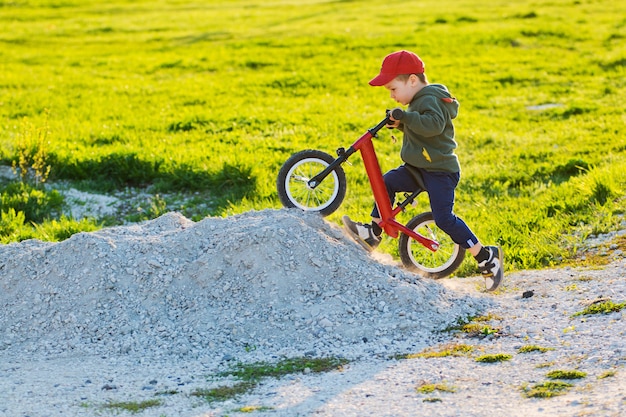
428 148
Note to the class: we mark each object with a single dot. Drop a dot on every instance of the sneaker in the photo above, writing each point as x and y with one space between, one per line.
492 268
362 233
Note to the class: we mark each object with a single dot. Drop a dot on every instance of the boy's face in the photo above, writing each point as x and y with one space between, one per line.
403 91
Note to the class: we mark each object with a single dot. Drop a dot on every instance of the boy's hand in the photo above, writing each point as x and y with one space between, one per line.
393 123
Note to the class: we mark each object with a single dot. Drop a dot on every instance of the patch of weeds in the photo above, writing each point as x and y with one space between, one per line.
584 278
224 392
427 388
478 330
432 400
591 261
547 389
544 365
486 317
571 287
251 374
256 371
449 350
31 163
133 407
473 326
603 307
533 348
569 329
35 204
253 408
607 374
600 256
560 374
460 322
169 392
492 358
155 206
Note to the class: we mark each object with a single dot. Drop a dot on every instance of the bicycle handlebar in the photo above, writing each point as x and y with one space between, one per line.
396 113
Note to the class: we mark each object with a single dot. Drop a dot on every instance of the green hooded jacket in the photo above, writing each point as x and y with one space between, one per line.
428 130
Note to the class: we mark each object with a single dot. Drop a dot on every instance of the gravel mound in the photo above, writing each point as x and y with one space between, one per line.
274 282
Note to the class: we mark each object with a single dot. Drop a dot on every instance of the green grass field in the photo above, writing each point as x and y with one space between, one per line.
210 98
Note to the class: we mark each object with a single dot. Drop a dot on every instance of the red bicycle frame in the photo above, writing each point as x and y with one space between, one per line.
387 213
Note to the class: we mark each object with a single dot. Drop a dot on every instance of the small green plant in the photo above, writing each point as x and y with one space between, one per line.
31 163
569 329
224 393
560 374
156 206
460 322
253 408
492 358
450 350
585 278
533 348
432 400
37 204
547 389
168 392
473 326
486 317
427 388
544 365
133 407
603 307
478 330
11 224
607 374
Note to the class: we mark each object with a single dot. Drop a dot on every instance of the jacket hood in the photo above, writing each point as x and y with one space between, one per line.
440 91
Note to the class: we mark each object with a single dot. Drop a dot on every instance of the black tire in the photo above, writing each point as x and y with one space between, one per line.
293 188
417 258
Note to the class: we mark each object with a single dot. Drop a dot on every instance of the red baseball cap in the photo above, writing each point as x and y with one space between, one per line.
397 63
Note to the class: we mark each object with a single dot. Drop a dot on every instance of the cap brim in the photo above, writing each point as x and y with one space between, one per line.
382 79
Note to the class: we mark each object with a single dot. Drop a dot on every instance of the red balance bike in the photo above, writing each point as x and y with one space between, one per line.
313 180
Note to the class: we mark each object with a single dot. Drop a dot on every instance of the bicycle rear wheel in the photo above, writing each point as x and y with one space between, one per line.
429 264
293 187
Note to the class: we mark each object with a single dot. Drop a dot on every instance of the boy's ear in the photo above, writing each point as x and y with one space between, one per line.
413 79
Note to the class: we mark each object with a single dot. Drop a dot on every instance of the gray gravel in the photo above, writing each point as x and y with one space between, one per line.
156 310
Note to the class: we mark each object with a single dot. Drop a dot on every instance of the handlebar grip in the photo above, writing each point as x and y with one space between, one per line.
397 113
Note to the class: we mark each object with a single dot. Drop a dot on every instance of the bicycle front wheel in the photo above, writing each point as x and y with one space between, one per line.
415 257
293 183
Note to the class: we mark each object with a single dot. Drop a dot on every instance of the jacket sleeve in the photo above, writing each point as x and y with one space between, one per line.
428 120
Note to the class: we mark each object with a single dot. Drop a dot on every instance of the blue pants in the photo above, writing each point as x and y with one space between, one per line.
440 187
